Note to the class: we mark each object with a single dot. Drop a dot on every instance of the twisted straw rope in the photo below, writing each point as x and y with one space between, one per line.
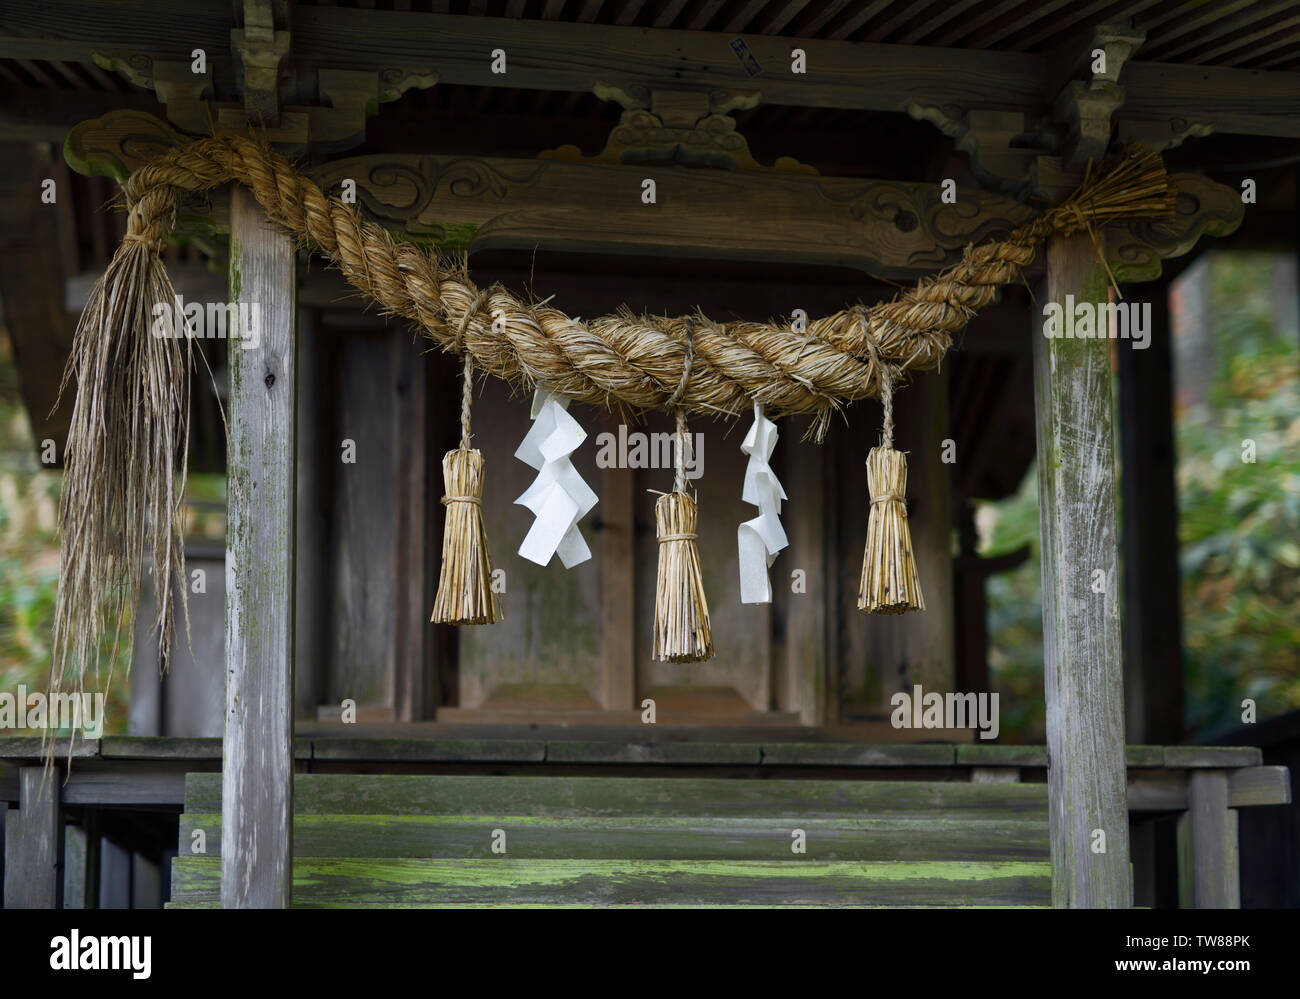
622 360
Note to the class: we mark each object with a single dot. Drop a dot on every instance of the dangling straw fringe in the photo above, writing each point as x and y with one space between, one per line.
465 581
125 465
682 632
889 581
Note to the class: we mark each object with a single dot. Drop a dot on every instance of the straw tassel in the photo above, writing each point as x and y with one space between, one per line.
889 580
682 632
465 593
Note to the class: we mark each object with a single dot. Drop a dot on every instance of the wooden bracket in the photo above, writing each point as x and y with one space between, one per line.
1204 207
185 93
326 110
1135 250
681 126
1162 133
987 138
1050 180
1085 107
259 47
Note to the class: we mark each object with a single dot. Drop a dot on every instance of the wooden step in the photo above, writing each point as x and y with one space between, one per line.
790 800
650 838
326 882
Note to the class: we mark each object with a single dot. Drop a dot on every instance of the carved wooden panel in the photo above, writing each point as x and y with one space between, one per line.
887 227
891 228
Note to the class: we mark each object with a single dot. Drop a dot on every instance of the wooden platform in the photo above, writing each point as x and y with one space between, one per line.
593 817
423 840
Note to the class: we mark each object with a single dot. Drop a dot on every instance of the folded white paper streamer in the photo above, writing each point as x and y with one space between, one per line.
558 497
760 539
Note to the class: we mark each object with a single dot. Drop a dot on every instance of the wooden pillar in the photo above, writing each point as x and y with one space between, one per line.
32 843
1081 627
1208 868
310 531
257 767
1153 653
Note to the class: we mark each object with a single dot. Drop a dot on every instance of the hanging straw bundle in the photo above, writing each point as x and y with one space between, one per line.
889 581
465 581
125 464
682 633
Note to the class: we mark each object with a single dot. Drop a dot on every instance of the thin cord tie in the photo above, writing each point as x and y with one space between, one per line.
467 394
884 375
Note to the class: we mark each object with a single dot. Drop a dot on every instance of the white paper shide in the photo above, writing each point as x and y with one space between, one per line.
558 497
763 537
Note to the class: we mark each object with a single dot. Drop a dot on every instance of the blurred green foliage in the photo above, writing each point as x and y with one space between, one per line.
1239 524
1015 613
29 551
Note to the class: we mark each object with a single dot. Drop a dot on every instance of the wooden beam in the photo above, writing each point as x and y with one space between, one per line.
258 747
895 229
1081 627
1259 786
553 55
1236 101
33 847
542 55
574 57
1167 791
889 228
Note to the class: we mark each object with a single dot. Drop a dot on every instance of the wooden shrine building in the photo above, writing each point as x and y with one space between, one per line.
804 156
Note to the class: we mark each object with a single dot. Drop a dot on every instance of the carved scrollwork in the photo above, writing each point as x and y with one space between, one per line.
915 217
644 136
1203 208
403 189
118 144
466 177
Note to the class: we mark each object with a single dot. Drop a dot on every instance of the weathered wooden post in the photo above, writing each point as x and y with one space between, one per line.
1208 866
34 843
257 763
1080 565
